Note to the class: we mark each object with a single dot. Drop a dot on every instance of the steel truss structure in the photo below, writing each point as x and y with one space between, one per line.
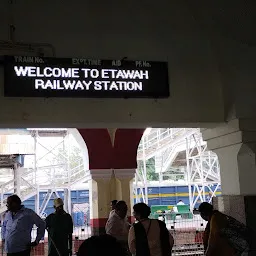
52 168
203 170
178 152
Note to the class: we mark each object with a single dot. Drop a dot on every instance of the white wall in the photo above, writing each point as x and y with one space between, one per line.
145 30
81 143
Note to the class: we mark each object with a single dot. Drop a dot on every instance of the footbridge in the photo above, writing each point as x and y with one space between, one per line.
30 162
179 151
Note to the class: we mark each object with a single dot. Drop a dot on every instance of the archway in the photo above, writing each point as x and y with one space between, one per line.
176 172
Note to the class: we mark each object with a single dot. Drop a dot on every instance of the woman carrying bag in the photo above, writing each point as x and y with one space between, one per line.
149 237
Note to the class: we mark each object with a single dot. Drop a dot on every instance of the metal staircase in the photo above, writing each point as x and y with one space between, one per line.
46 174
164 145
21 186
161 139
185 149
25 185
164 158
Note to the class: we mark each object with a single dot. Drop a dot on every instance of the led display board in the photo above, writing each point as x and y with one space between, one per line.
84 78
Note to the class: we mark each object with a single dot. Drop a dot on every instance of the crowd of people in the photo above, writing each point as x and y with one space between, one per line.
223 235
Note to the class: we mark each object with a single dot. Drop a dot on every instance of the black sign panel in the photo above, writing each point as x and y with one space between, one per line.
88 78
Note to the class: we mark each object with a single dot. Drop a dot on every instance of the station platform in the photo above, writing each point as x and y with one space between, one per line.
187 233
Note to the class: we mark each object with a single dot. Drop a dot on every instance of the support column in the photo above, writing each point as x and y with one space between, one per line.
67 200
235 145
102 191
124 189
37 200
17 178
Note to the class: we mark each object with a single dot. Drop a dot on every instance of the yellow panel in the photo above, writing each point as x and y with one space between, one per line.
173 195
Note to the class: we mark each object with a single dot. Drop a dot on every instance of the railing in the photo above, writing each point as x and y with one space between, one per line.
168 148
79 235
27 186
24 187
187 234
176 146
50 175
156 140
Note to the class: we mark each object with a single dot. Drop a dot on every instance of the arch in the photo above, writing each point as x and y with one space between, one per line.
80 141
122 154
99 148
125 148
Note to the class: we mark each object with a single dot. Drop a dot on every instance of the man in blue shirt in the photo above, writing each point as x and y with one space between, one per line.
17 228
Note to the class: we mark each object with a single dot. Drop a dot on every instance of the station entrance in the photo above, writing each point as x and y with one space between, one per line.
171 165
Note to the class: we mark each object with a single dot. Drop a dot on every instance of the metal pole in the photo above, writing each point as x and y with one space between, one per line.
201 170
68 159
136 186
37 206
17 179
189 176
69 174
144 171
35 156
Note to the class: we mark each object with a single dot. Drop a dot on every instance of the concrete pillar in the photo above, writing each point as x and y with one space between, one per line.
101 194
235 145
124 189
107 185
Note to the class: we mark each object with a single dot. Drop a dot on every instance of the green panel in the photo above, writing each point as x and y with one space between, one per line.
183 208
184 211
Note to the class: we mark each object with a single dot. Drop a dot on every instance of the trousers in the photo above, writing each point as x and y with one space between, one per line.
23 253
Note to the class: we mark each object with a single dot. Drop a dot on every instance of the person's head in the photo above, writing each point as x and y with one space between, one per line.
180 201
113 204
13 203
141 211
121 209
206 211
58 205
100 245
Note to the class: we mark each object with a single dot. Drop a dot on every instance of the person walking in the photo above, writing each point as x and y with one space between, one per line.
149 237
226 235
112 207
60 228
17 227
117 225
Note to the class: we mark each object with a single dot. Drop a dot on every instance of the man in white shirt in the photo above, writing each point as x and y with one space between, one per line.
180 202
117 225
112 207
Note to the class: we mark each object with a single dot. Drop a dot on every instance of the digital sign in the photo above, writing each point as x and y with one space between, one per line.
86 78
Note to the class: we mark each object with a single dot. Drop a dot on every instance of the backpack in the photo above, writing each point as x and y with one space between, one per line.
237 234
